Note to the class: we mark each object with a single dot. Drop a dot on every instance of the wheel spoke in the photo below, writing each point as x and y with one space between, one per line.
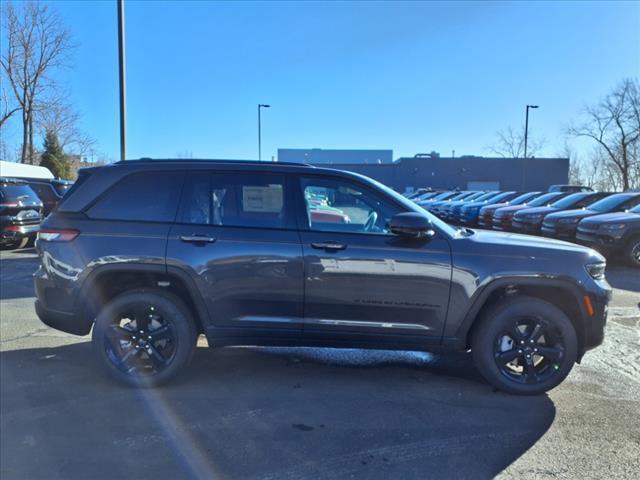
536 332
161 333
156 357
116 332
551 353
516 334
141 314
530 372
507 356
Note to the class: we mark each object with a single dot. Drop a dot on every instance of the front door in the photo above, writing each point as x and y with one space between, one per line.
361 281
235 235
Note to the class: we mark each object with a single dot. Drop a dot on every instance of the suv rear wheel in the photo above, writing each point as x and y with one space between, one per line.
144 337
524 346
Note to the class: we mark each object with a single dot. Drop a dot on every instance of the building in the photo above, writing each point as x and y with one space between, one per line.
323 156
465 172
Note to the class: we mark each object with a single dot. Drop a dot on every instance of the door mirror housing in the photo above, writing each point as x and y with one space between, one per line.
411 224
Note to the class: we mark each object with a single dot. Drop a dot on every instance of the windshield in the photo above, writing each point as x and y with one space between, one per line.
544 199
570 200
635 209
523 198
612 202
500 196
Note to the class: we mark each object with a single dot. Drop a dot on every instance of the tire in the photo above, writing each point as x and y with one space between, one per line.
496 341
158 354
632 252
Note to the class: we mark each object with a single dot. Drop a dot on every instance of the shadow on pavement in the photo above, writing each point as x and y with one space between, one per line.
16 274
268 413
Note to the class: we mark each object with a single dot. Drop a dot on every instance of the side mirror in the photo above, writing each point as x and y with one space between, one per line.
411 224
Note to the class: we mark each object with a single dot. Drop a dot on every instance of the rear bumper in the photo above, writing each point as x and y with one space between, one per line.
56 307
63 321
14 233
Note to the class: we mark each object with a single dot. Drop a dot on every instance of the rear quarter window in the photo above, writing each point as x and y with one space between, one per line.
151 197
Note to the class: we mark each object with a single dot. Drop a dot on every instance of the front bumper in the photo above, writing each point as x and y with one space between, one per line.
602 241
563 232
595 324
526 227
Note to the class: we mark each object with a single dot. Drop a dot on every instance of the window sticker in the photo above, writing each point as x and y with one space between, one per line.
267 199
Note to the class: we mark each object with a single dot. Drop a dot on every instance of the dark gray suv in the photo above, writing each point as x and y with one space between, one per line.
152 253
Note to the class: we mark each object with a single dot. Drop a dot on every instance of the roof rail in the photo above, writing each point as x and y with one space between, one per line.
212 160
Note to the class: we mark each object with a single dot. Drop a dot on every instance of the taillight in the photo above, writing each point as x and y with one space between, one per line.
57 235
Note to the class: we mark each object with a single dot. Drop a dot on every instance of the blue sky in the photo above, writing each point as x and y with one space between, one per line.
413 77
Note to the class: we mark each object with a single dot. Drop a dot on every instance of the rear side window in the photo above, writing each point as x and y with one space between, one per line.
236 200
45 192
151 197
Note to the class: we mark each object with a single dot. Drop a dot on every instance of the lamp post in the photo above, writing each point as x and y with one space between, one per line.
260 105
121 72
526 138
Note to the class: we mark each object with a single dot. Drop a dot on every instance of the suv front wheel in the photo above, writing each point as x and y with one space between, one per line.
524 346
144 337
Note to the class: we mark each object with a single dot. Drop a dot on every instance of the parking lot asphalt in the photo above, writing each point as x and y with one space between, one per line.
287 413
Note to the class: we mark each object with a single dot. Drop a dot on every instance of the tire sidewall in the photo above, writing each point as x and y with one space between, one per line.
181 320
499 318
629 251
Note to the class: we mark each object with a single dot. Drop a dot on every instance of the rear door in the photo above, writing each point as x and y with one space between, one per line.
361 281
235 236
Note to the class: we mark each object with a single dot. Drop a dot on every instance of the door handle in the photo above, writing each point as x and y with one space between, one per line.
333 246
197 239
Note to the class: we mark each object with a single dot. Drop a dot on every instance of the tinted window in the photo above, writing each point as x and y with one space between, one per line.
615 202
149 197
523 198
574 199
339 206
236 200
544 199
45 192
17 192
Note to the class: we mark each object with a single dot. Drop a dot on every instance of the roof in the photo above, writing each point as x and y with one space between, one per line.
20 170
210 160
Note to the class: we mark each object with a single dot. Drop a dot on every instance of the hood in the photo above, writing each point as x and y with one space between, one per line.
494 206
578 213
616 217
527 245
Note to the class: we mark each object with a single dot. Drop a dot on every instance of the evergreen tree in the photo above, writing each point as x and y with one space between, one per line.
54 158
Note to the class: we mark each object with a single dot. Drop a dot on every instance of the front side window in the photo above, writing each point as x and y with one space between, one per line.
151 197
338 206
236 200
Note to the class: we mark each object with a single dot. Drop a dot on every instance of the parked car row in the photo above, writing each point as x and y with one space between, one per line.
24 202
606 221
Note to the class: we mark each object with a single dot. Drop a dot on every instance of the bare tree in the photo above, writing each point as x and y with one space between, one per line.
6 108
59 117
37 42
614 124
510 144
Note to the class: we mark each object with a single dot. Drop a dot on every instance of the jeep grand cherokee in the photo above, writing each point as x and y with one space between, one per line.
151 253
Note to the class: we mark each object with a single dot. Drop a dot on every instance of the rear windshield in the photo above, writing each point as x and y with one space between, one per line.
12 192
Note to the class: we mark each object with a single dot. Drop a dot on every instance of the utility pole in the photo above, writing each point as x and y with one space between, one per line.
526 137
260 105
121 71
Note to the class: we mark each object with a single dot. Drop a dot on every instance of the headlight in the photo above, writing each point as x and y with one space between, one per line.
596 270
569 220
613 226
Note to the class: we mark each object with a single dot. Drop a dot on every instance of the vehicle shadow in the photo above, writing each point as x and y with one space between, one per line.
15 277
268 413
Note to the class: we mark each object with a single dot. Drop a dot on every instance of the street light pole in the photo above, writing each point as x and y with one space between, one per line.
121 71
526 138
260 105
